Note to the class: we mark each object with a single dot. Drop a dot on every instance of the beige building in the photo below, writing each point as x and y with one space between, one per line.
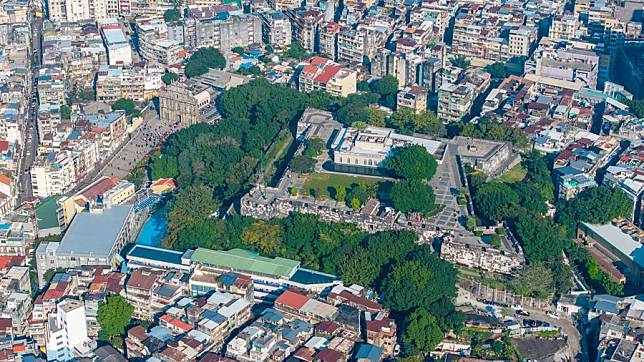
413 97
185 103
323 74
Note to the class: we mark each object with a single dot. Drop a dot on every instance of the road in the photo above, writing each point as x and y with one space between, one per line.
140 143
564 322
30 131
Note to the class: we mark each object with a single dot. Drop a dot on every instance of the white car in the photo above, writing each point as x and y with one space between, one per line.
552 315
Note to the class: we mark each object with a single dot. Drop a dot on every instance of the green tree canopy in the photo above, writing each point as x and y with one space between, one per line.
460 61
385 86
422 333
408 122
495 201
170 77
536 280
418 282
171 15
636 106
126 105
114 316
202 60
65 112
191 206
495 131
413 196
296 51
412 162
497 70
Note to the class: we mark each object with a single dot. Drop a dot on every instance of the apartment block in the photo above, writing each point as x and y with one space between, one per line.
137 82
414 98
322 74
306 24
158 43
215 27
276 29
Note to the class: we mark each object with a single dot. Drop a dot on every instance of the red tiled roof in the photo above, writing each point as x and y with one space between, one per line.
327 327
176 322
292 300
142 279
5 179
165 181
328 72
5 323
4 145
7 261
91 192
379 325
305 354
328 355
356 300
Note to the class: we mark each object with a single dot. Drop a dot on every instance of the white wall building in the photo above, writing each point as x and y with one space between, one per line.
67 337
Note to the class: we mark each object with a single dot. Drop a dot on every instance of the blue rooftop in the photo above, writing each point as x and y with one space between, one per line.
306 276
369 352
156 254
103 121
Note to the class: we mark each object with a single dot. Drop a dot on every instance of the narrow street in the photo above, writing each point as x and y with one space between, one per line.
564 322
30 141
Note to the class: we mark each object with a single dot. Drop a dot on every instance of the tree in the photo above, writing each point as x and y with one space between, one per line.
202 60
491 130
171 15
302 164
495 201
497 70
237 50
126 105
418 282
363 86
470 223
636 106
358 268
412 162
530 197
190 206
460 61
421 334
252 70
170 77
385 86
536 280
264 236
87 94
412 196
114 316
65 112
340 193
541 239
376 117
164 167
408 122
296 51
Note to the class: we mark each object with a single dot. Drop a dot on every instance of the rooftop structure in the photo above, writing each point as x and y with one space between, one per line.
373 145
620 244
245 261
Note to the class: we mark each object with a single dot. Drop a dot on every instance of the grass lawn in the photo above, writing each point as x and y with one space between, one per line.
323 183
515 174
